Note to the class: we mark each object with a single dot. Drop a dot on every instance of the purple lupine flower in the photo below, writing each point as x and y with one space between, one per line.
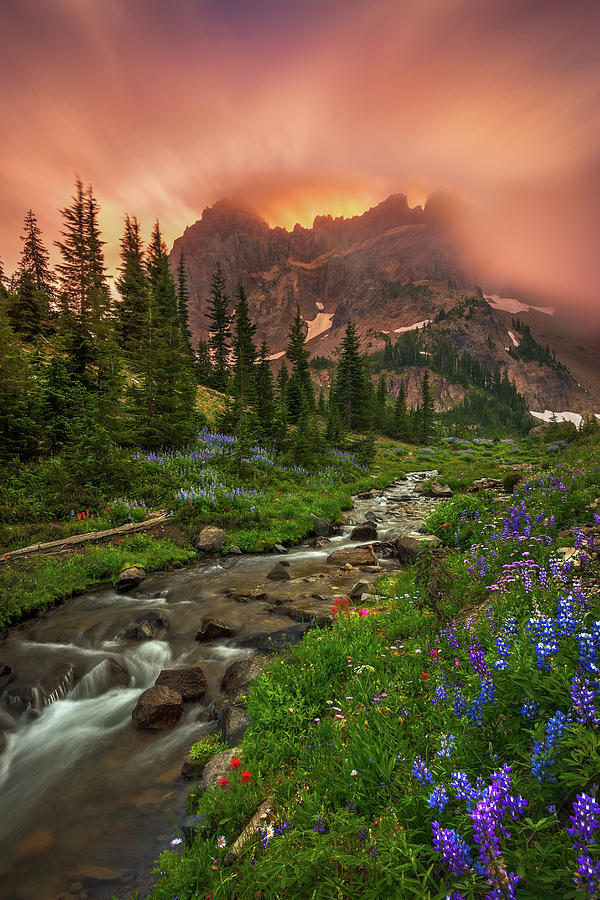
585 821
421 772
439 798
584 704
453 848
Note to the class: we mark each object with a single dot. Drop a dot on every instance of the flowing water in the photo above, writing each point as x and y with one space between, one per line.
87 801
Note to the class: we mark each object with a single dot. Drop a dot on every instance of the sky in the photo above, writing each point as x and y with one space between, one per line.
312 106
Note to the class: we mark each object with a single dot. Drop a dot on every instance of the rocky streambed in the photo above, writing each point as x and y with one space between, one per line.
101 698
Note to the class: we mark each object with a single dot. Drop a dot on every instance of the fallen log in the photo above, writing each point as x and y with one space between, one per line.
76 540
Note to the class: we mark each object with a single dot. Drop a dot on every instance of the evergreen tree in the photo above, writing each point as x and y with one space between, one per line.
400 428
19 427
244 353
321 405
219 329
3 289
82 274
183 296
300 395
282 383
34 283
163 398
134 287
352 393
380 403
204 367
427 410
265 394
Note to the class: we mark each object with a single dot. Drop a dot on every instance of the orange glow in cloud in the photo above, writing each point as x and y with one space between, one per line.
312 108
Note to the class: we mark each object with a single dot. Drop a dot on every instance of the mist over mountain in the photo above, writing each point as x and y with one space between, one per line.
389 270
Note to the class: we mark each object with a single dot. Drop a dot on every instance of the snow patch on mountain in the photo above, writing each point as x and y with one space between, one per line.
410 327
511 305
321 322
548 416
513 339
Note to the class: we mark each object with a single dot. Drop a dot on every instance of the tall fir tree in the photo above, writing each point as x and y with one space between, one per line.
400 426
282 383
300 395
352 392
33 283
265 394
134 287
204 367
164 400
244 353
219 318
183 296
426 423
380 404
19 419
82 273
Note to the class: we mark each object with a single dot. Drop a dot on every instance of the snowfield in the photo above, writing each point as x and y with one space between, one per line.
511 305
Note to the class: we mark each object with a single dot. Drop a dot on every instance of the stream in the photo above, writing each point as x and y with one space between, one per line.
88 801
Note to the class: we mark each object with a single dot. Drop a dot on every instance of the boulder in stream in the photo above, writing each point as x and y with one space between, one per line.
274 641
316 613
158 708
210 539
240 673
361 587
279 548
366 532
129 578
140 631
41 688
190 683
212 628
321 527
256 594
279 573
355 556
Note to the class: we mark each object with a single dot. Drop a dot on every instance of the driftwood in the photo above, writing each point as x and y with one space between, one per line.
258 820
75 541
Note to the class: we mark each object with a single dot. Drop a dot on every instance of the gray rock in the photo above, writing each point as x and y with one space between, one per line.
46 686
190 683
274 641
212 628
256 595
436 489
321 527
366 532
279 548
361 587
355 556
234 721
278 573
2 741
240 673
218 766
410 547
141 631
129 578
235 551
158 708
210 539
371 516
